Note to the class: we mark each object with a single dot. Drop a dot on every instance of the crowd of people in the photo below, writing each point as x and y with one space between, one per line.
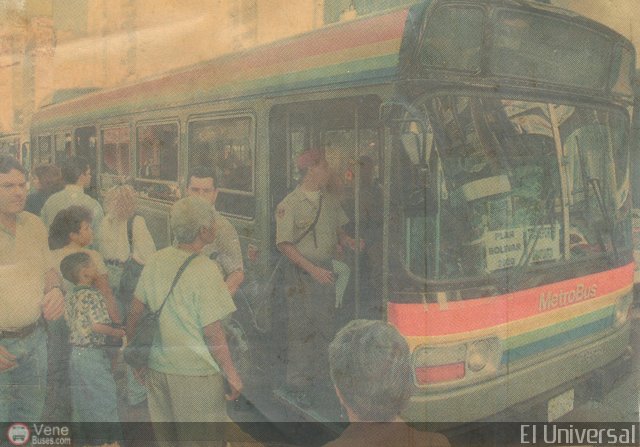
66 307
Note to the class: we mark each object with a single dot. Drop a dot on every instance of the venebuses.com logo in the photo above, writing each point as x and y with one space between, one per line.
38 434
18 434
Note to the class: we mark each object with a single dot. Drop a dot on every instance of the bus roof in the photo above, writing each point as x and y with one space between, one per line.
364 50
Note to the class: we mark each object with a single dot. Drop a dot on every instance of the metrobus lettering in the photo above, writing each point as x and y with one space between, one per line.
550 300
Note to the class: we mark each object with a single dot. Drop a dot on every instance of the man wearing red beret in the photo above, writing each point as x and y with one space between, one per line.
309 227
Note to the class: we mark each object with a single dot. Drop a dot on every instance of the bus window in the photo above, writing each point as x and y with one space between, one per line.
226 145
492 197
85 139
157 161
598 160
299 133
535 46
44 151
63 147
115 156
454 39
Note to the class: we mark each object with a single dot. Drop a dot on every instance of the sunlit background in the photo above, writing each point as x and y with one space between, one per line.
51 50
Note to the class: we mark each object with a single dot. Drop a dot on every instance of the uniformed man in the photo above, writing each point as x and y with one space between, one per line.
226 246
29 290
309 228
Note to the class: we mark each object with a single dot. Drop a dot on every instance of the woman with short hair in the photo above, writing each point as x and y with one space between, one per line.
113 235
123 234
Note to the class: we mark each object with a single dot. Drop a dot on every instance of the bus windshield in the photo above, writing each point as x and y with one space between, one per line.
511 186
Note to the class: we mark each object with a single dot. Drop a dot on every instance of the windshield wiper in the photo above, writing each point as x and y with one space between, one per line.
607 219
594 183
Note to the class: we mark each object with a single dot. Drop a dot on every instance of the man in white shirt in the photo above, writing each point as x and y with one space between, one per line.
226 246
29 290
76 173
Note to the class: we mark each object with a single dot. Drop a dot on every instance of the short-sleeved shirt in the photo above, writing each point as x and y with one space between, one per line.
71 195
199 298
297 212
226 247
24 260
113 240
61 253
84 306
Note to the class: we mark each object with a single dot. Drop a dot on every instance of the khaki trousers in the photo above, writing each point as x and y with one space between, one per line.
310 329
182 399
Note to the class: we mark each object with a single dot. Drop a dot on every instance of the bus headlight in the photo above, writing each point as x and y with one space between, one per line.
483 354
623 308
437 364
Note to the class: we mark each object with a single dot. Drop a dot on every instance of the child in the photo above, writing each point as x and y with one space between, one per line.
93 390
71 232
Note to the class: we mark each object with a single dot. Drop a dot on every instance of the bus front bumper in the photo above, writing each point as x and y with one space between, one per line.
531 385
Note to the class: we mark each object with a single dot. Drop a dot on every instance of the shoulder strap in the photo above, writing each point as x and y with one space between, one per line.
130 233
313 224
175 280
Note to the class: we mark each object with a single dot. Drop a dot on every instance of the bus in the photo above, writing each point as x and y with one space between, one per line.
481 150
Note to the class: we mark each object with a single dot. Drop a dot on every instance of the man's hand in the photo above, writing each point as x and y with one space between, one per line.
140 375
323 276
351 243
7 360
235 383
53 304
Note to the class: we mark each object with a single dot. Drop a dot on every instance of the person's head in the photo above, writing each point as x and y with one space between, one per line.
78 268
366 169
120 202
313 167
13 186
202 183
71 225
370 367
192 219
77 171
48 178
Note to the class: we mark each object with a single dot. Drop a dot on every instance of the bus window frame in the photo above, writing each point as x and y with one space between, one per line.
135 177
101 170
254 143
61 133
51 136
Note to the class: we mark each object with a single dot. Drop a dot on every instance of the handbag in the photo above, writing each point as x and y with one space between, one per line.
131 270
137 351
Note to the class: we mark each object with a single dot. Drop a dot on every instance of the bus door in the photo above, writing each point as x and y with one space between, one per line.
85 146
347 131
63 146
